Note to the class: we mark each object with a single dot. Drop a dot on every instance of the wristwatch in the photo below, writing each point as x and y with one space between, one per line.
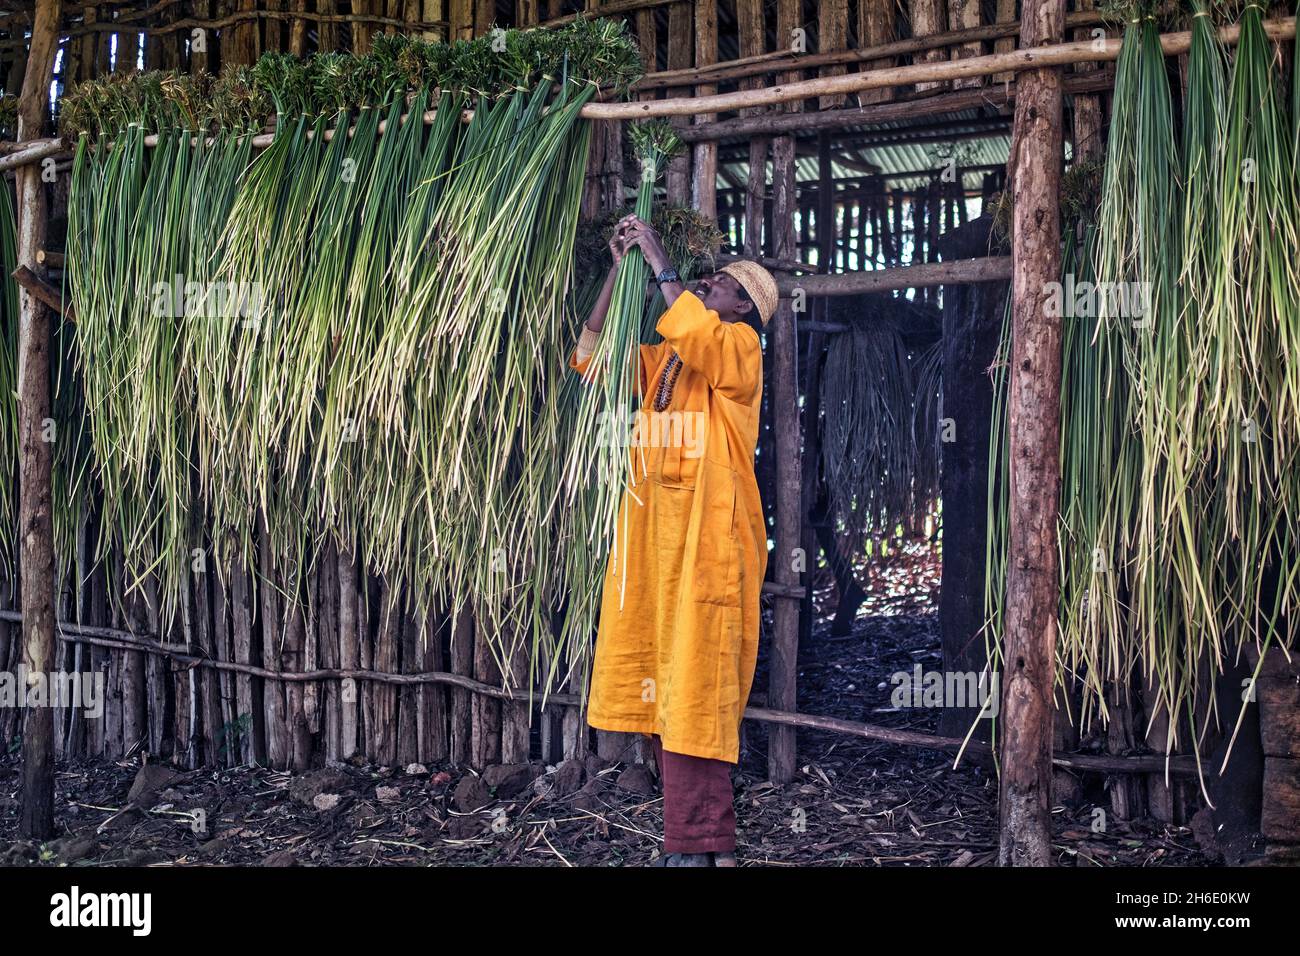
668 275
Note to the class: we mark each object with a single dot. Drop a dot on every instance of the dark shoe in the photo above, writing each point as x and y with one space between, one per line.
685 859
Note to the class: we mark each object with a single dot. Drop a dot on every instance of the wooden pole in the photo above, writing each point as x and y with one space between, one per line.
784 402
1021 60
1029 644
921 276
35 447
704 173
938 105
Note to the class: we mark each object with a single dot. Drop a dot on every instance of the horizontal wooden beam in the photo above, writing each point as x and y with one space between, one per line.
1028 59
1031 58
1100 763
791 591
922 275
187 654
894 111
43 292
782 61
32 152
606 10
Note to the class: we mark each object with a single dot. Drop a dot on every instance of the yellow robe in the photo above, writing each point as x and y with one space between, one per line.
679 619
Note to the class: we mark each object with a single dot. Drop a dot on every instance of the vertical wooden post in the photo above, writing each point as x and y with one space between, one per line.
298 29
832 35
485 13
1006 13
349 653
462 657
432 697
244 46
35 453
1088 123
327 33
274 705
877 25
749 24
784 402
461 17
825 205
251 720
485 712
963 15
362 31
704 181
677 181
1034 404
516 727
928 18
383 696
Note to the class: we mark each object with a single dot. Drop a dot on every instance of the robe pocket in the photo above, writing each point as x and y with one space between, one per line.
676 440
717 556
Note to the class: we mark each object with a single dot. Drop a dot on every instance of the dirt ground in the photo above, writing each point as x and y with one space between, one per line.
853 802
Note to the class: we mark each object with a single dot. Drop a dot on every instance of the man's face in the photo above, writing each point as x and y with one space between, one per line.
721 293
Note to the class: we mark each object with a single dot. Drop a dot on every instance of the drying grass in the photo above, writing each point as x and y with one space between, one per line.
1178 499
374 355
878 429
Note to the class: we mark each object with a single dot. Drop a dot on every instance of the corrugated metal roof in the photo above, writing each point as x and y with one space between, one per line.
971 137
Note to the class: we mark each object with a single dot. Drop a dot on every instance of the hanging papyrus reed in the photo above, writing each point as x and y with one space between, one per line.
357 335
1180 423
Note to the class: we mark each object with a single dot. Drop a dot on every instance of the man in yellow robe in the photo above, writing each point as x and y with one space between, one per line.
679 620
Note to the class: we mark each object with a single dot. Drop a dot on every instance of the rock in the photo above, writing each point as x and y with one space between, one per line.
325 802
464 828
69 849
1203 830
20 853
214 847
150 779
387 794
588 797
415 770
471 794
568 777
636 779
595 765
280 858
306 787
508 780
143 857
438 782
1282 854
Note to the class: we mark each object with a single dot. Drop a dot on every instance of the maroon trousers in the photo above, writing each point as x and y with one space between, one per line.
699 815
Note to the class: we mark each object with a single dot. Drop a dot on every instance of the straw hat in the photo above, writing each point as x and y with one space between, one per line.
758 283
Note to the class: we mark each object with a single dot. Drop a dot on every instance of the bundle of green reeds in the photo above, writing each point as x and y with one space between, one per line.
600 463
357 334
1178 500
